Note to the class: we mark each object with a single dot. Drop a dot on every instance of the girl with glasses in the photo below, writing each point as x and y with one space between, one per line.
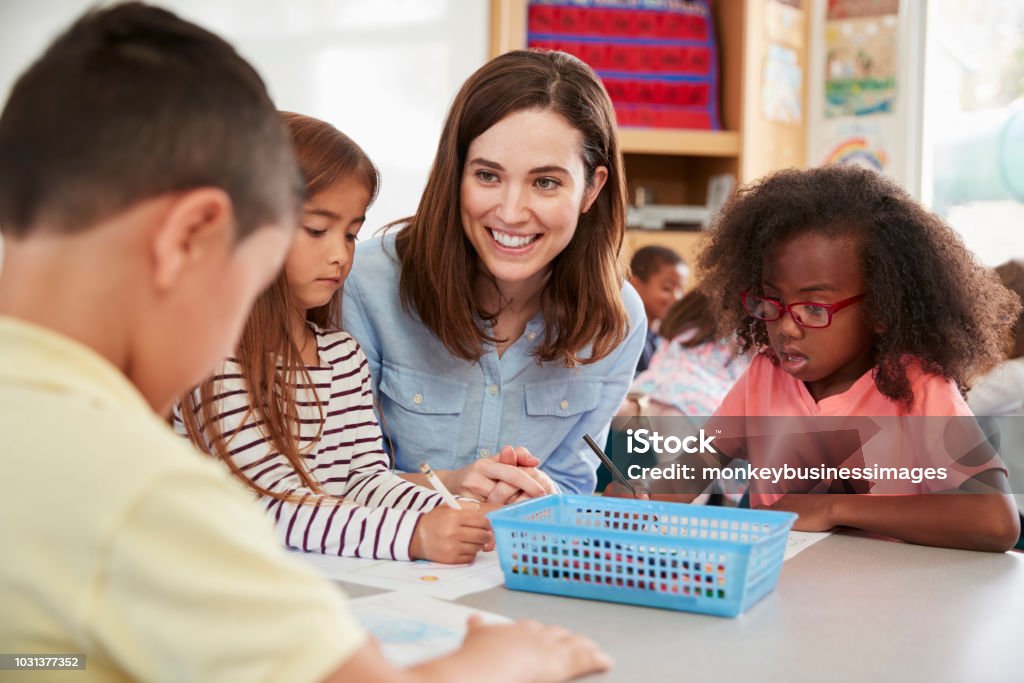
869 318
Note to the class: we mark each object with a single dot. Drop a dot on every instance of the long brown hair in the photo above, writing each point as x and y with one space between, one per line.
692 312
325 157
581 302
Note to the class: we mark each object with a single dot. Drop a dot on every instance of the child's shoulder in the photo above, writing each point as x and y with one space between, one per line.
934 394
338 348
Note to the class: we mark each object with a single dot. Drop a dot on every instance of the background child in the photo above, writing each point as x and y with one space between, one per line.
292 414
862 303
999 394
148 192
693 368
689 375
659 276
1001 391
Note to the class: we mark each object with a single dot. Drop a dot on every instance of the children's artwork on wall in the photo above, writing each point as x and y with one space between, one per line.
860 65
860 143
658 59
784 22
847 9
781 86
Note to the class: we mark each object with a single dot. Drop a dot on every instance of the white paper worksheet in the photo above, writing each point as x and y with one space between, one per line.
412 627
799 541
445 581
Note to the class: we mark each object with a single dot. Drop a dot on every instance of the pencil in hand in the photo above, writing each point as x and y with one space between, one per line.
439 486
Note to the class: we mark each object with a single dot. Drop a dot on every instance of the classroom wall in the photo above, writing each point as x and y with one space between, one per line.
382 71
893 136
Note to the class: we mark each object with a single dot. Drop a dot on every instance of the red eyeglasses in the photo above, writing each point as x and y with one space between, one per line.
804 313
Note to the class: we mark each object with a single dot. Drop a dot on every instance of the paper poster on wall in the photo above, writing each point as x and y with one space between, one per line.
857 143
846 9
860 63
781 85
784 22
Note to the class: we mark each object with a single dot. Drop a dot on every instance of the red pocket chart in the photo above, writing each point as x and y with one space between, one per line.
658 60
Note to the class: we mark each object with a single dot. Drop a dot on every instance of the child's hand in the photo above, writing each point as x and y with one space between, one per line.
534 651
451 536
816 510
617 490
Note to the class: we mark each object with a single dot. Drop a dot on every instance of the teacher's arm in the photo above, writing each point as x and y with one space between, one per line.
572 465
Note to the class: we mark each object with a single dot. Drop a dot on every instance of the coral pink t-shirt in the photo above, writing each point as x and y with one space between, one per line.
778 423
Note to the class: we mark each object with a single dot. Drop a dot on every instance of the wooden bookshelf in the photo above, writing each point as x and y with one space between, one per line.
703 143
675 165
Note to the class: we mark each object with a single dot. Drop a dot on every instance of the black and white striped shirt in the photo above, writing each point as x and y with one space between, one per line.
380 510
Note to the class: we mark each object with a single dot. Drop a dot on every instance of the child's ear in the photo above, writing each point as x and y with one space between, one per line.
197 221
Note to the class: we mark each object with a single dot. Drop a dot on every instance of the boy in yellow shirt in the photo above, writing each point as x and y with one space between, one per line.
148 192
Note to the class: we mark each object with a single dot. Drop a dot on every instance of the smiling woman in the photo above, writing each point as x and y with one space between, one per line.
498 324
520 218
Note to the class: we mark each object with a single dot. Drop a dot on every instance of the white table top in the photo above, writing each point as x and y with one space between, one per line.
849 608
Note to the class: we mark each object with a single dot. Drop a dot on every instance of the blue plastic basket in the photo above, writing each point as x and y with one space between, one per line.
684 557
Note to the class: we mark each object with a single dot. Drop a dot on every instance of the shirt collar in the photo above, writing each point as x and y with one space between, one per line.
37 356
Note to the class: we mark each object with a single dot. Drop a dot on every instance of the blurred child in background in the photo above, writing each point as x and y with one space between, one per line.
659 276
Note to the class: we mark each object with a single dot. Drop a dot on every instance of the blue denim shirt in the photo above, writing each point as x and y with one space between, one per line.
443 410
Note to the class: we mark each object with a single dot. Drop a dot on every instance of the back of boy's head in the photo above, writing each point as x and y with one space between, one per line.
130 103
649 260
927 296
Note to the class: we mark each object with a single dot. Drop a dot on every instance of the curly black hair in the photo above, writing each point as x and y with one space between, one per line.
925 291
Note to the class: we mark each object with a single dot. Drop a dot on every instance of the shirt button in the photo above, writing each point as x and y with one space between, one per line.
484 453
564 405
531 336
493 389
417 399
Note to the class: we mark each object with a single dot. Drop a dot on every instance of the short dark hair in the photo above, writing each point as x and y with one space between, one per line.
648 260
132 102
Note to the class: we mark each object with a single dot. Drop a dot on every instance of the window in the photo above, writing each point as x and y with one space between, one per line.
973 146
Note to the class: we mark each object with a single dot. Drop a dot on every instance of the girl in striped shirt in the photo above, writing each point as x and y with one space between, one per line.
292 413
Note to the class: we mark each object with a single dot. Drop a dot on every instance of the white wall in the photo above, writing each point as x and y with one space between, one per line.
382 71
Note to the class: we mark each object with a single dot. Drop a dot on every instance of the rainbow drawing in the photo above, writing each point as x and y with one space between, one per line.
858 151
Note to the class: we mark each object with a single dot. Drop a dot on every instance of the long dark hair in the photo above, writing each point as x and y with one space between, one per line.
269 357
581 302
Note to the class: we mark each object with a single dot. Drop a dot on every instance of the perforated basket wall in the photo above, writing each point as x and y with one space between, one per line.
685 557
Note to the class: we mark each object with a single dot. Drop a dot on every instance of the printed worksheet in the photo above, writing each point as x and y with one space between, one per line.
799 541
446 581
412 627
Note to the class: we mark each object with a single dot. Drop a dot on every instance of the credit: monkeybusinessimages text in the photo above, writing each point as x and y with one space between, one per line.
643 441
774 475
